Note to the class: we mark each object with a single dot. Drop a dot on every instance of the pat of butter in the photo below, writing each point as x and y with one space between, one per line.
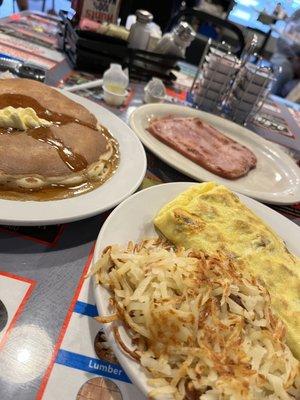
21 118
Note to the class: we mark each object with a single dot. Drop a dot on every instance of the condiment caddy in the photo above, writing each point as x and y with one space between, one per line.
216 72
231 86
249 91
94 51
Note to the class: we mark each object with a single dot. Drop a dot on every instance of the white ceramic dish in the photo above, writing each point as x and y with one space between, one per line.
276 178
124 182
137 224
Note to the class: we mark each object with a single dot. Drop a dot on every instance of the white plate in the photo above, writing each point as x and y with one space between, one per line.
276 178
124 182
132 220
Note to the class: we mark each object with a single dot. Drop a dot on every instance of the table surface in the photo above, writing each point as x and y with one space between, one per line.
51 261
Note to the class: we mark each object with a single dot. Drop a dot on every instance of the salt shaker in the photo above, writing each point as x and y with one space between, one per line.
140 31
176 42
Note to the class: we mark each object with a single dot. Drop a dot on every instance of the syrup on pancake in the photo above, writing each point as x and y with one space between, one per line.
73 160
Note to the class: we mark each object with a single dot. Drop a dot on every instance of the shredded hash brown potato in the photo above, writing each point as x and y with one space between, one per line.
201 329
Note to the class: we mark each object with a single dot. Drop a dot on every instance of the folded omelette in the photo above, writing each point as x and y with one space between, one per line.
210 218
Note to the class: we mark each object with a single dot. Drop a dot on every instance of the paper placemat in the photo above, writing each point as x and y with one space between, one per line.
11 306
84 366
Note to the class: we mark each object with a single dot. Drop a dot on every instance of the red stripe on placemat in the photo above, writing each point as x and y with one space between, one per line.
17 277
34 239
58 236
64 327
32 284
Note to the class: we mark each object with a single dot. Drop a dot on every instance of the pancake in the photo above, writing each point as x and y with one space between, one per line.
210 218
47 97
73 150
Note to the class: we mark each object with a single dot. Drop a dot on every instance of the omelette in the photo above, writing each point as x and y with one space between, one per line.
210 218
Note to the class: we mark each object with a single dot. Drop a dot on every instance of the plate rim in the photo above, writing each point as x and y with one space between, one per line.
135 378
52 220
272 147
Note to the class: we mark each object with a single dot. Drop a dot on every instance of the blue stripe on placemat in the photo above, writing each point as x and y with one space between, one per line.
92 365
86 309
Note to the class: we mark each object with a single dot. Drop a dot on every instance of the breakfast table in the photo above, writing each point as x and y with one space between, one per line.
51 347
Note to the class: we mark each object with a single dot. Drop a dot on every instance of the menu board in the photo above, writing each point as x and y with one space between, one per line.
84 365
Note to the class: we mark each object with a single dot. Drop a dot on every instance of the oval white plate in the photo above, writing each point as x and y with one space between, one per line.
276 178
132 220
124 182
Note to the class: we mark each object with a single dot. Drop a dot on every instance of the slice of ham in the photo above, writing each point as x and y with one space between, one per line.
204 145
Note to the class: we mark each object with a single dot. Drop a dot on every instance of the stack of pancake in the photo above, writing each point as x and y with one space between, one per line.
73 150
